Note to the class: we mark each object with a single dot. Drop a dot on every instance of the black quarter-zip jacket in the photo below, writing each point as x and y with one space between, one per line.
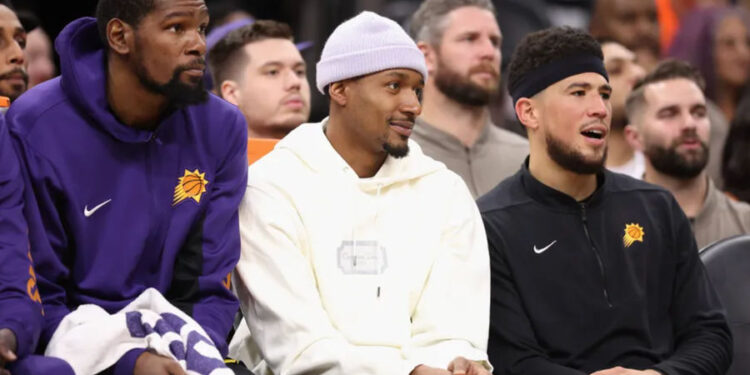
614 280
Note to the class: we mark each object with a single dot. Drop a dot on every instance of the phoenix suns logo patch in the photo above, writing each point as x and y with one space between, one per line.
191 185
633 233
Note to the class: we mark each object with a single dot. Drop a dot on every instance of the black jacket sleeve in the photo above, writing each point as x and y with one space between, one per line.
703 342
512 347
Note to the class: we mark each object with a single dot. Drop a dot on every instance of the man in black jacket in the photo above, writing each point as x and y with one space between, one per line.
592 272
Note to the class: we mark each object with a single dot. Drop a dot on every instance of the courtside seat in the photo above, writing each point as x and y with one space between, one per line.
728 264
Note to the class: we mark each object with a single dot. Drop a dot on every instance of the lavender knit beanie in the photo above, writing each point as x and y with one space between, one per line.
365 44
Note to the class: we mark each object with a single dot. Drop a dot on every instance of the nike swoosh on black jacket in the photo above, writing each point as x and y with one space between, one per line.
599 297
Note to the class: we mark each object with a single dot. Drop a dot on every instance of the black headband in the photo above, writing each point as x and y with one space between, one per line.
542 77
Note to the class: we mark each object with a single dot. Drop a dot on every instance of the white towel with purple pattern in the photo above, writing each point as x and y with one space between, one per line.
91 340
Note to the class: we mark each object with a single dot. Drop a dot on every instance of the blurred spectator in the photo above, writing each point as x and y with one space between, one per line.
624 71
518 18
40 64
632 23
573 13
223 12
461 43
670 121
736 157
259 69
671 12
715 40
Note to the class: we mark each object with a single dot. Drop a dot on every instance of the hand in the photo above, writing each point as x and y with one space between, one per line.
153 364
625 371
426 370
463 366
7 349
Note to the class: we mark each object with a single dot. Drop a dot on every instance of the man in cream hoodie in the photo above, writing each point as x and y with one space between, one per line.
361 255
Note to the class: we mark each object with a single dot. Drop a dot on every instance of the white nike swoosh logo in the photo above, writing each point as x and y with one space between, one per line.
539 251
87 212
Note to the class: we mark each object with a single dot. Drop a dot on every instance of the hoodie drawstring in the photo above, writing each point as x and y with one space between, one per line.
377 212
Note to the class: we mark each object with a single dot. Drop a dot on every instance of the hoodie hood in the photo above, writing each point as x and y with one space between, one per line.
84 77
310 145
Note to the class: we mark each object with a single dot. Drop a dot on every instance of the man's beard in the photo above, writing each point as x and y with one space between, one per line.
669 162
462 89
572 160
179 94
20 90
396 151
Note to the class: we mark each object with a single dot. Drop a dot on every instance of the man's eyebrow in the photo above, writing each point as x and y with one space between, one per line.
186 13
279 62
615 59
16 30
668 107
178 13
274 62
580 85
397 74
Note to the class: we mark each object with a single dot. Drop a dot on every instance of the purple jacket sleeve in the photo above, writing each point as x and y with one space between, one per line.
214 249
45 231
21 310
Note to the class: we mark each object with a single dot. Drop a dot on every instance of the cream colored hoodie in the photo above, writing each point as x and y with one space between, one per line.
348 275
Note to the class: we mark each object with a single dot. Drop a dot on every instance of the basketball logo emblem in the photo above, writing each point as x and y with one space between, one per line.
191 185
633 233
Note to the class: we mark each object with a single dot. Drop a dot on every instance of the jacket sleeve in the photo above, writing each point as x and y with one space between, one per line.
452 314
280 300
512 348
213 248
47 238
703 342
21 310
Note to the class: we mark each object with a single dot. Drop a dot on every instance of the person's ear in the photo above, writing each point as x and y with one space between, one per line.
634 137
430 56
230 91
528 113
338 91
120 36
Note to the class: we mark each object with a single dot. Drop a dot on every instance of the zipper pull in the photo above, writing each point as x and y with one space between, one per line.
583 212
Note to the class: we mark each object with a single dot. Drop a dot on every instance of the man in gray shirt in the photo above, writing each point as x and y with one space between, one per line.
461 43
669 118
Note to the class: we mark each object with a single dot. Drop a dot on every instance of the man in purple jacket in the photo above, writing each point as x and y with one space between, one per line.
134 173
